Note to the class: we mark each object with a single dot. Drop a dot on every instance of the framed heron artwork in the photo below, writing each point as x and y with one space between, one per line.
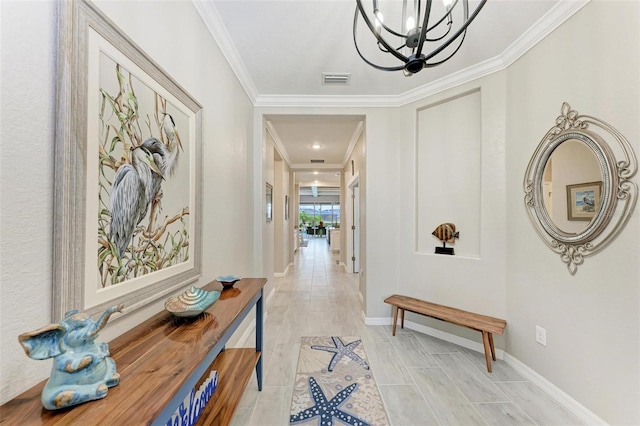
128 170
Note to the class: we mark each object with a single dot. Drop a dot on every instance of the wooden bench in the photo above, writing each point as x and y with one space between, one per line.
482 323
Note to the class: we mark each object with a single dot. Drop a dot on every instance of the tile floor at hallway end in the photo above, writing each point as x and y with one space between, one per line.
423 380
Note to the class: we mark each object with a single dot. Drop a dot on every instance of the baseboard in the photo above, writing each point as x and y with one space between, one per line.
452 338
269 297
448 337
243 341
376 321
283 274
570 404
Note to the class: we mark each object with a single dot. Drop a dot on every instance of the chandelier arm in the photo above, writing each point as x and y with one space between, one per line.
434 64
403 27
382 24
431 40
391 31
375 33
423 33
458 33
453 5
355 42
435 25
397 48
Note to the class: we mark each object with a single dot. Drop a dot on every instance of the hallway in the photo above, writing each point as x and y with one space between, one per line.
423 380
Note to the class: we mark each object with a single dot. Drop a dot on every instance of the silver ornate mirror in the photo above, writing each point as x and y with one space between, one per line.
578 188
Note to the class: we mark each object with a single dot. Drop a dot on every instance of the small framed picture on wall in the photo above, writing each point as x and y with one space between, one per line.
269 203
286 207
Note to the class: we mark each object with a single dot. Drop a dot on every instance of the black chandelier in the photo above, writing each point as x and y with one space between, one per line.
437 34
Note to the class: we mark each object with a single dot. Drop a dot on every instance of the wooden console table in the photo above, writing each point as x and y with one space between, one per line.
160 361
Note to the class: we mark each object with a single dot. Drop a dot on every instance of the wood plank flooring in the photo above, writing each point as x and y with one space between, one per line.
423 380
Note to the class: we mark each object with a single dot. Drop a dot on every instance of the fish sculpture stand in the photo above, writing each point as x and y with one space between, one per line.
446 233
82 368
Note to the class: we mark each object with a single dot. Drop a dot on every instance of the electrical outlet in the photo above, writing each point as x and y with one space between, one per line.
541 335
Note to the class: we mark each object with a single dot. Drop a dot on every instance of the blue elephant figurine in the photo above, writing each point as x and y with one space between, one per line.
82 368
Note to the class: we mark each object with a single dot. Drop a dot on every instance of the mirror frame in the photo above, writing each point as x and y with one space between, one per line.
617 199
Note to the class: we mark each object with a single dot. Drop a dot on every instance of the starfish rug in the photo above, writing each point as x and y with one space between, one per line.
334 385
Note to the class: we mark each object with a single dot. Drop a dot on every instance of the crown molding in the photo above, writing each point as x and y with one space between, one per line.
278 143
362 101
555 17
316 166
214 23
352 144
551 20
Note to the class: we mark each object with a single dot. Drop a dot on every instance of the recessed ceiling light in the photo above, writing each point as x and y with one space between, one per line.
315 173
315 146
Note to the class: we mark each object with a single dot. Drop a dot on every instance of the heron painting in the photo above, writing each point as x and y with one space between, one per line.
143 184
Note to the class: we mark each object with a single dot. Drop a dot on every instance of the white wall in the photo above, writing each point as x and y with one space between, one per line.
173 34
476 283
354 176
283 232
448 173
593 318
380 215
28 91
267 175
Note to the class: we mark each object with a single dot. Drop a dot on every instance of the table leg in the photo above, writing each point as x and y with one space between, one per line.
259 319
395 320
402 319
487 349
493 348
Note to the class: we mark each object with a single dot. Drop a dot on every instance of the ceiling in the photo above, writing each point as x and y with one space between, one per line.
333 136
280 48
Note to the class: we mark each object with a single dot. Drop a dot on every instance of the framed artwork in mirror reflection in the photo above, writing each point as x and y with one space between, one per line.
583 200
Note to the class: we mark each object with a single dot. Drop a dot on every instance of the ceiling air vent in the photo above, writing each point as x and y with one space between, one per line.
336 79
317 161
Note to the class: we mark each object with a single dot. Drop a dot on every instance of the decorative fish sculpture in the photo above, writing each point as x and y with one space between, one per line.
446 232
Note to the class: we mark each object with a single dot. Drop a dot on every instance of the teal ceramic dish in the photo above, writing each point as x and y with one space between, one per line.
228 280
192 302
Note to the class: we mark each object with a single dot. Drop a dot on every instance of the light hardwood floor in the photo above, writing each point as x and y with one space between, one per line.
423 380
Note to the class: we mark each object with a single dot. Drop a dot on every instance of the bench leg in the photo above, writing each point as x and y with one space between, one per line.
395 320
402 319
487 349
493 348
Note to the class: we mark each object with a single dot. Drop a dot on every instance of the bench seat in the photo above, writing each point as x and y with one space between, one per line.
485 324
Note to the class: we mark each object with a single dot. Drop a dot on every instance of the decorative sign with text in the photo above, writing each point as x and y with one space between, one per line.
193 405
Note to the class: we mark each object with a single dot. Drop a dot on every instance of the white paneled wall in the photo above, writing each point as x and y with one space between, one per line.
449 172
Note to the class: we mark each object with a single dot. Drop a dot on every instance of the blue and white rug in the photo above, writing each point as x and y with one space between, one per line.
334 385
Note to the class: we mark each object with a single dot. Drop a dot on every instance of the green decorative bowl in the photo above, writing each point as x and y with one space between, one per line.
192 302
